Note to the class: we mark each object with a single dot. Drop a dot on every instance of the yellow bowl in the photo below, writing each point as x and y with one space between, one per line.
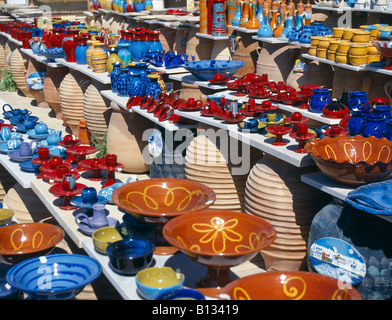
333 45
360 36
321 53
341 58
315 39
102 236
347 34
323 43
373 58
357 60
358 49
338 32
374 33
343 47
372 50
331 55
6 216
312 50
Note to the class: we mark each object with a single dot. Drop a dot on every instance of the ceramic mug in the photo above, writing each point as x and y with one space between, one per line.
26 149
94 163
13 143
5 133
43 153
89 195
68 182
111 160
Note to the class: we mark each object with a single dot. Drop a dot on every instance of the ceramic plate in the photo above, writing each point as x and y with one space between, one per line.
337 259
4 148
14 155
31 133
78 202
28 166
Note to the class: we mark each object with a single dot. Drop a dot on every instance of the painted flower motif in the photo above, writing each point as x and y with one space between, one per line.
218 232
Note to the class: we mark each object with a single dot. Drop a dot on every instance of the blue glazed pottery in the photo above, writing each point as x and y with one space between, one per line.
357 100
138 48
55 276
136 86
139 5
305 35
80 51
289 26
356 121
123 82
154 45
375 125
259 14
153 88
114 75
382 110
319 99
388 130
238 15
124 53
129 256
206 69
265 30
181 294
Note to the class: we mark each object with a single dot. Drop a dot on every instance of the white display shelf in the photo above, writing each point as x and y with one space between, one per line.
337 9
338 190
208 36
23 178
245 30
66 218
189 78
40 59
168 24
274 40
378 70
333 63
17 42
259 141
168 71
83 68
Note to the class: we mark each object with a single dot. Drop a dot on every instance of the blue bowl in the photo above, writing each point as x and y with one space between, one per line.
181 294
152 282
206 69
129 256
54 277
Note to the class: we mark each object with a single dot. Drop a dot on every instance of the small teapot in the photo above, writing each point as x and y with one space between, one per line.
5 133
41 128
13 143
29 123
11 112
26 149
54 138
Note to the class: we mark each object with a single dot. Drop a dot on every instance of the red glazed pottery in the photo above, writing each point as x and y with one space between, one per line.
56 38
69 44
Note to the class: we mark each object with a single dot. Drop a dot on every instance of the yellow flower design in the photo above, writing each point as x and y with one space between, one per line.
218 232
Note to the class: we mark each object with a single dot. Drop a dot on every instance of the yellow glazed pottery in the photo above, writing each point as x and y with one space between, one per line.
6 216
358 49
343 47
312 50
333 45
315 39
341 58
372 50
323 43
347 34
102 236
373 58
357 60
331 55
338 32
321 53
360 36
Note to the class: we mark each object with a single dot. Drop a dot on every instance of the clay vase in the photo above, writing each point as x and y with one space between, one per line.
203 16
245 14
71 99
253 23
113 57
245 49
99 58
274 192
277 60
89 51
18 70
125 139
207 161
96 109
166 38
53 79
221 50
34 66
231 9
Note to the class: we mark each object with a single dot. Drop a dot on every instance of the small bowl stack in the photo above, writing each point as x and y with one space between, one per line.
357 54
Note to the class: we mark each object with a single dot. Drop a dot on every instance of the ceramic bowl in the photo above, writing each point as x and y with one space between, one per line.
333 45
315 40
360 36
347 34
343 47
338 32
102 236
357 60
373 58
6 216
288 285
323 43
162 198
65 276
358 49
341 58
331 55
219 238
22 241
129 256
152 282
321 53
353 160
206 69
372 50
312 50
181 294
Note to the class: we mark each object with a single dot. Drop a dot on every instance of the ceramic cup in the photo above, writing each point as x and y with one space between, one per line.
61 170
89 195
5 133
302 130
68 182
13 143
94 163
271 117
43 153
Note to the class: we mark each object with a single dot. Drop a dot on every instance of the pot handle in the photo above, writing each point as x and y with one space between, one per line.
8 106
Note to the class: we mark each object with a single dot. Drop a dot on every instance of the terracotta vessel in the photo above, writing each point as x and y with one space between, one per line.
96 110
18 70
245 14
245 49
288 285
203 16
200 47
274 192
353 160
53 79
125 139
219 240
99 58
71 99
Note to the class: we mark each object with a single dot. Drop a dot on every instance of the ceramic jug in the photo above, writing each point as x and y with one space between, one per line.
357 121
244 14
253 23
238 15
265 30
136 86
357 100
98 219
114 75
